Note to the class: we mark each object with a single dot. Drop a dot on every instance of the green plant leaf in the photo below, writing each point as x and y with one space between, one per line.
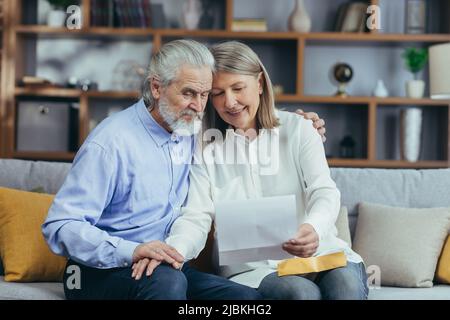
415 59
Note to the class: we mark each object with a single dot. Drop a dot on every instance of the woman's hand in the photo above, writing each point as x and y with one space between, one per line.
142 265
318 123
305 243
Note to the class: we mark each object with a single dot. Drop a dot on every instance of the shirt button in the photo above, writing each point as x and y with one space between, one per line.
125 264
100 265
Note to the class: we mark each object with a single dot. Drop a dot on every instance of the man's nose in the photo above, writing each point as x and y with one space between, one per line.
196 103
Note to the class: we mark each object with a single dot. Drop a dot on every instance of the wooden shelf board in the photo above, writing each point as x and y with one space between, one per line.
368 100
44 155
113 94
48 92
270 35
75 93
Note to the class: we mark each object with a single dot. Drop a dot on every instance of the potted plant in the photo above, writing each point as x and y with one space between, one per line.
57 16
415 61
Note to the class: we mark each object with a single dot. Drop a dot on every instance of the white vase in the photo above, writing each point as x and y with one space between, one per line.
299 19
415 89
380 90
410 133
56 18
192 11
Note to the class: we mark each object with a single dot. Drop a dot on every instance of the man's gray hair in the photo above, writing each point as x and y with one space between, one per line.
165 64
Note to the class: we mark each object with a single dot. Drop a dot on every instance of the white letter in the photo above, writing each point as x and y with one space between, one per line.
74 20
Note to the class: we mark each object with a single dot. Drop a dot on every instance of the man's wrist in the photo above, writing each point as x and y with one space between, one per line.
124 252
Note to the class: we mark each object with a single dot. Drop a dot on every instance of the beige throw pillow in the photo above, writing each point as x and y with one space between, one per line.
343 227
404 242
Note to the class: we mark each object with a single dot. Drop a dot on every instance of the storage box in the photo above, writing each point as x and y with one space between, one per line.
43 126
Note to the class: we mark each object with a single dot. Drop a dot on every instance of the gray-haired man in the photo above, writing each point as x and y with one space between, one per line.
125 190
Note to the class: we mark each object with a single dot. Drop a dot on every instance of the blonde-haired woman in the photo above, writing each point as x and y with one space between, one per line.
243 110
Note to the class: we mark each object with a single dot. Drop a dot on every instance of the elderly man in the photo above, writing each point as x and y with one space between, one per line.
124 190
126 187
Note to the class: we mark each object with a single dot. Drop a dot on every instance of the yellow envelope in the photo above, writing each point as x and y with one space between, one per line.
313 264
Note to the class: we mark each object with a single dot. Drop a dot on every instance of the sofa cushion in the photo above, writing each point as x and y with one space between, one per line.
31 291
438 292
443 268
28 175
404 243
23 250
393 187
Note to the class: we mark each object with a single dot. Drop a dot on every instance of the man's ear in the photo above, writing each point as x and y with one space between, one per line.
155 87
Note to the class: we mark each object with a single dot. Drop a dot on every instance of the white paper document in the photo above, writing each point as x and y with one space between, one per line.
254 229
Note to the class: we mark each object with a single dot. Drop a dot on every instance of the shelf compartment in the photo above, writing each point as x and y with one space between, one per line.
341 120
434 139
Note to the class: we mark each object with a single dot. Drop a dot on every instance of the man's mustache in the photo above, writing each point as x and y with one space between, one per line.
193 114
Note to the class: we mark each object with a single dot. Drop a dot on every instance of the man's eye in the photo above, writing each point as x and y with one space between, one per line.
216 94
188 94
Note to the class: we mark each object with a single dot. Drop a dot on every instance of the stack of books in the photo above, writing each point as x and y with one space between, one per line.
121 13
259 25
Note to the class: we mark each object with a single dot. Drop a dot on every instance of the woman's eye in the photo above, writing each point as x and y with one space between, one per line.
216 94
237 89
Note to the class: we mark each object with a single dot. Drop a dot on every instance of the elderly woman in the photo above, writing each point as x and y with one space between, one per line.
243 110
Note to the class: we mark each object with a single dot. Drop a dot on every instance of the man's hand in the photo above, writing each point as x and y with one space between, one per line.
159 251
305 243
140 266
318 123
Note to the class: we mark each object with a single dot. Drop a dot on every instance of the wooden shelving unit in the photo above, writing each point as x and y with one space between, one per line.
18 32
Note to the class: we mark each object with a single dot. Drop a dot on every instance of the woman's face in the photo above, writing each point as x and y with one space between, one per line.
236 98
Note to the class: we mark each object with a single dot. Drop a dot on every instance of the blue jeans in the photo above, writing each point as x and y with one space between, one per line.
166 283
345 283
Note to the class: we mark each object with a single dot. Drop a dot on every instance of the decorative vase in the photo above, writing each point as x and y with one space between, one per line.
380 90
410 133
299 19
56 18
415 89
192 11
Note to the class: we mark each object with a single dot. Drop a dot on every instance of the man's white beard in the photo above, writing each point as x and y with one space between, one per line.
177 123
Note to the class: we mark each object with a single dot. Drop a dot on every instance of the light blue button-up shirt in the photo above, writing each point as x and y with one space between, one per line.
126 186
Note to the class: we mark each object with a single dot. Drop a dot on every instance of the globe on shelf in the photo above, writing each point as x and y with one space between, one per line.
342 73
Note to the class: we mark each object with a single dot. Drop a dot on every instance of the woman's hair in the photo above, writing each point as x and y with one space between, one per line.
165 64
236 57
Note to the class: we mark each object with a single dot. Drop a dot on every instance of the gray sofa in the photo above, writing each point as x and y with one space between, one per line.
405 188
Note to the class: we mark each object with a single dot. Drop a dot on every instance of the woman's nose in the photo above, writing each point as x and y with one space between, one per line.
230 100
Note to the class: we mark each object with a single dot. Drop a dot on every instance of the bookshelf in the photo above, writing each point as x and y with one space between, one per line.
367 115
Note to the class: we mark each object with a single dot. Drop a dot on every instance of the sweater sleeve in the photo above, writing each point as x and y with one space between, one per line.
189 232
322 195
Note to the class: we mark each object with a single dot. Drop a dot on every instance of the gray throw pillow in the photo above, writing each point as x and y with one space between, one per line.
404 243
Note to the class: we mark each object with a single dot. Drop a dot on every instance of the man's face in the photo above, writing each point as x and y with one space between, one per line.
181 104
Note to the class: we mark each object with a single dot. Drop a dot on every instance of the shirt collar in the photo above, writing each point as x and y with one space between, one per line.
158 133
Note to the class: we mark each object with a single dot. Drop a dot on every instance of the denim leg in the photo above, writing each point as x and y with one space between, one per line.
345 283
117 284
165 283
288 288
205 286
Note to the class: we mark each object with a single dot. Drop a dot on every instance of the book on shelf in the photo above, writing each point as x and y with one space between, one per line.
121 13
351 17
259 25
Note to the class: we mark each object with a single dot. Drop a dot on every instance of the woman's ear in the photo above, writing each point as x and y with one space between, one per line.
260 82
155 87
